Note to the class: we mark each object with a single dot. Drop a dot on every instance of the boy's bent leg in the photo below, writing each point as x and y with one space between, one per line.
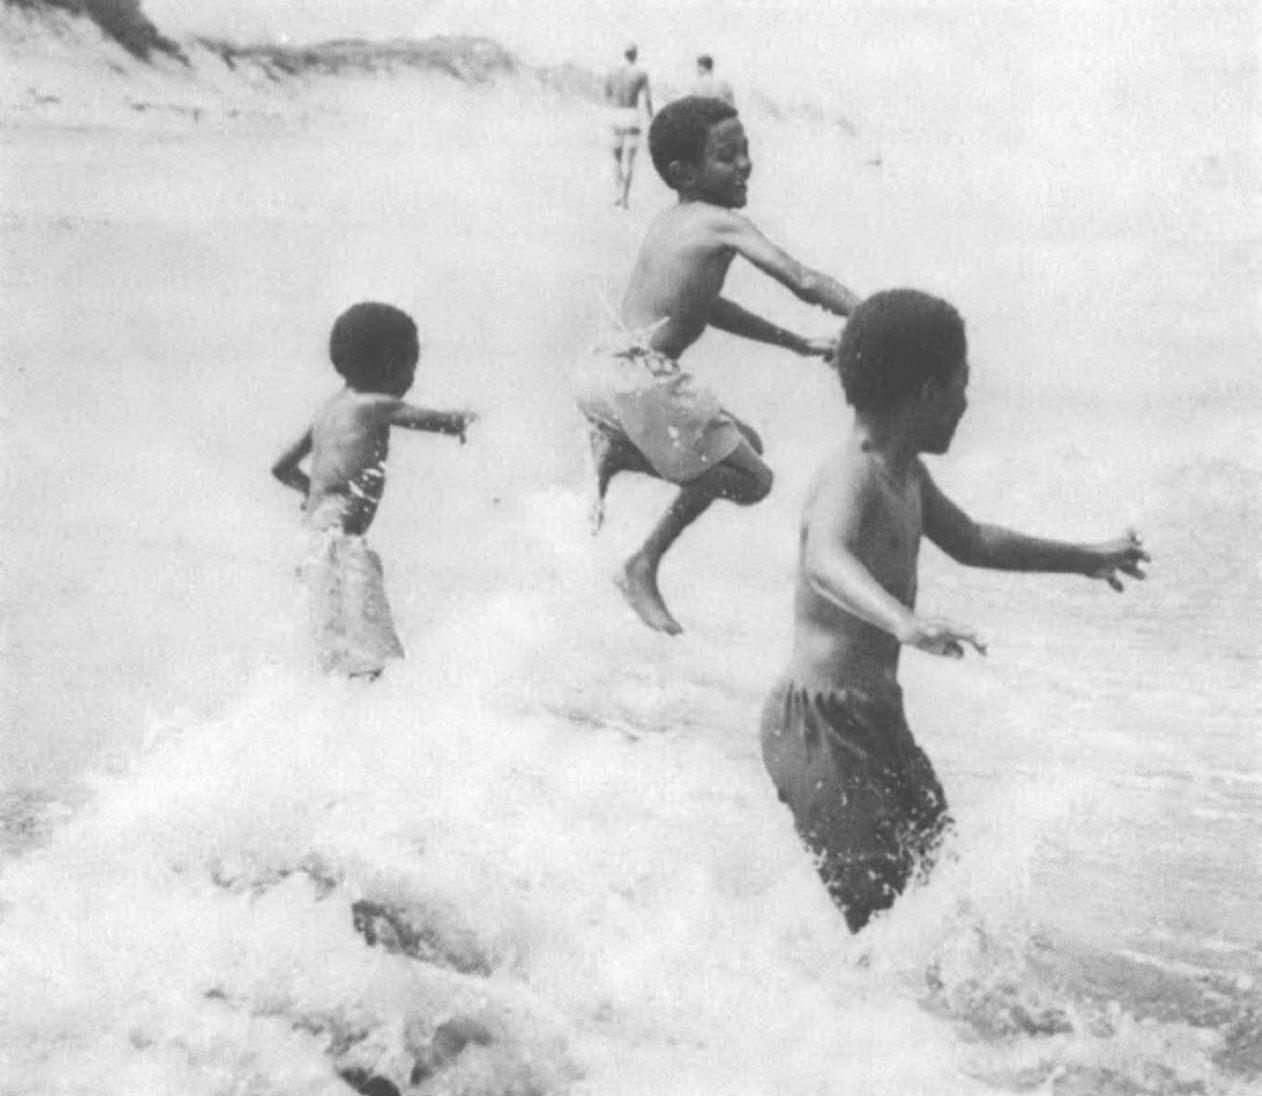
612 452
741 477
638 580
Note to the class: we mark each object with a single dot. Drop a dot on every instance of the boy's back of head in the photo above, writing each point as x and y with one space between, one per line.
893 343
679 131
705 63
371 344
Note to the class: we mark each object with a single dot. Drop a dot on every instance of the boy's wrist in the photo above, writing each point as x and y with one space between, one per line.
907 629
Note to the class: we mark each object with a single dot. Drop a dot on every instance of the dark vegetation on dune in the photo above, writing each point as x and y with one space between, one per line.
472 60
468 59
121 20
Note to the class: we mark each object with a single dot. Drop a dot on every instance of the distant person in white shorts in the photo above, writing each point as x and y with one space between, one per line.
709 86
624 87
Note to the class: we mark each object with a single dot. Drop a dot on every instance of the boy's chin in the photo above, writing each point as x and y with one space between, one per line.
729 200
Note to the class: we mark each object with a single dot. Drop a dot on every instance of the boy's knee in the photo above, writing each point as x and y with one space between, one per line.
756 487
752 436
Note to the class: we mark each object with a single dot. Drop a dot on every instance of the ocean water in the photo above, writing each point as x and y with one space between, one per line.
553 825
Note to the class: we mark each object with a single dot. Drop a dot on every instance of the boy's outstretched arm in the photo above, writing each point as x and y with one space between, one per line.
453 423
836 573
730 317
1000 549
286 467
807 285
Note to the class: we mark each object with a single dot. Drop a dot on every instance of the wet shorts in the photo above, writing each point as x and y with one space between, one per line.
646 397
351 625
864 796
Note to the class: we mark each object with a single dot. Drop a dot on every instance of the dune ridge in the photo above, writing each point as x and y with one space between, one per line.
75 62
65 65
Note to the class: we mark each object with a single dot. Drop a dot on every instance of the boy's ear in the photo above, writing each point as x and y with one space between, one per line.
930 390
680 174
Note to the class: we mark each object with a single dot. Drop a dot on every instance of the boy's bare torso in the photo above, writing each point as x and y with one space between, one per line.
350 441
877 518
679 275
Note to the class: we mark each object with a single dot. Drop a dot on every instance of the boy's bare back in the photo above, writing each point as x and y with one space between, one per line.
350 441
348 444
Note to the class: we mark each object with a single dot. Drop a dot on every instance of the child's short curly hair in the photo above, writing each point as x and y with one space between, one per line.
371 343
894 342
679 131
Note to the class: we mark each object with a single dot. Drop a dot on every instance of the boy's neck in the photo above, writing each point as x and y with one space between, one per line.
888 439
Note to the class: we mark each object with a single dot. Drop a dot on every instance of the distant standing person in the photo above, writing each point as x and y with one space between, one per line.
624 87
835 739
709 86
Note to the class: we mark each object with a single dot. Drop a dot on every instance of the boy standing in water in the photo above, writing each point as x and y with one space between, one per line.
375 348
864 796
647 414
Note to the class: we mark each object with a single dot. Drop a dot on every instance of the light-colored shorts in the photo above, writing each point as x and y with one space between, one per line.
352 628
624 126
664 412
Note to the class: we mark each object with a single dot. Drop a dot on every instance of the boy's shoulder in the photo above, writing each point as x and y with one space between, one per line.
359 406
841 476
851 476
700 219
707 212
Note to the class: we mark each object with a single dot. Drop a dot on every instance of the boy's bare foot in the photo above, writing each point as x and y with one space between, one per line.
638 583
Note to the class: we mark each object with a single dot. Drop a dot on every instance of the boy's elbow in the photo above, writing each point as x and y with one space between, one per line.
288 476
978 550
968 557
809 286
968 550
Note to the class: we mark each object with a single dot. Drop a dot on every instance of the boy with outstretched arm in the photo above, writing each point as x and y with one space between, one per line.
835 740
375 348
650 416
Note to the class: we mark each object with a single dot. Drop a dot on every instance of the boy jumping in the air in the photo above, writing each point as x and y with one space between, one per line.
864 796
649 415
375 348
